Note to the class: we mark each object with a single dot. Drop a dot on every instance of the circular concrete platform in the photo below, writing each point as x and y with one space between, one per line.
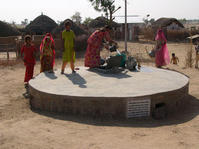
126 94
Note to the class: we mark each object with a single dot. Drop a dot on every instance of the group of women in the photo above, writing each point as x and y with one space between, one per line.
94 43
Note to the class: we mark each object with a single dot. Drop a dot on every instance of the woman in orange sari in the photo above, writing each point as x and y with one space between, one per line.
47 53
92 56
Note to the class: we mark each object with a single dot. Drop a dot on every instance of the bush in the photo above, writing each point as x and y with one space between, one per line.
81 43
189 58
172 35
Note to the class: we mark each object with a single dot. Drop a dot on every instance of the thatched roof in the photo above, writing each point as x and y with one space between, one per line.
77 30
164 22
41 25
7 30
101 22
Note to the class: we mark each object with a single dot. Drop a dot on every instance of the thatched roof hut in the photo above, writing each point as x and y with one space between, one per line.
77 30
7 30
166 22
101 22
41 25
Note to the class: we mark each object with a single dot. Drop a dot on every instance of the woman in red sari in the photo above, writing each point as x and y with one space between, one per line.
92 56
47 53
28 52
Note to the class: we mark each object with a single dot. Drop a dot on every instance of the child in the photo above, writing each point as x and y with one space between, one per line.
47 53
197 54
28 52
174 59
68 38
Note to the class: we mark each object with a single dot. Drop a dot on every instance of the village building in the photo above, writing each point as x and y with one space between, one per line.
41 25
133 30
77 30
7 30
168 23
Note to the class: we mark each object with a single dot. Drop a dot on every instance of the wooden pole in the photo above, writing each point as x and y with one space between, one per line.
7 50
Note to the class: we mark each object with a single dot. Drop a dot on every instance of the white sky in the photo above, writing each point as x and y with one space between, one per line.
18 10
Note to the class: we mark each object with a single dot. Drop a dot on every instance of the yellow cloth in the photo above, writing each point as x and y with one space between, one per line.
69 53
47 50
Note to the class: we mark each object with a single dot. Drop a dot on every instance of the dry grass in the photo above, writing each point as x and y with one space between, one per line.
189 61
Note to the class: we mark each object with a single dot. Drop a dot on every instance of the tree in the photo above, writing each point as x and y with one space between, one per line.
13 23
106 6
148 22
59 22
25 22
183 21
87 21
77 18
152 20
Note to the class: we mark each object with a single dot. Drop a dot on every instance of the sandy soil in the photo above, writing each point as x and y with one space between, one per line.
22 128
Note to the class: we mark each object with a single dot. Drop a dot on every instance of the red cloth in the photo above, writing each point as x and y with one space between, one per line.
29 60
52 45
29 72
92 56
28 54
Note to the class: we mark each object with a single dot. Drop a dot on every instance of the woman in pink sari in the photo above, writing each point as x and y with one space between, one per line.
162 55
47 53
92 56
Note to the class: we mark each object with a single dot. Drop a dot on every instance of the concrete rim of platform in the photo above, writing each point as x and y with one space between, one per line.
126 84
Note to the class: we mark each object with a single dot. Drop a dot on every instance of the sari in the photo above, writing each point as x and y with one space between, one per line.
92 56
47 53
162 55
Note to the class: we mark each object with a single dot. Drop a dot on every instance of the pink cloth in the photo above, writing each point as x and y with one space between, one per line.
162 56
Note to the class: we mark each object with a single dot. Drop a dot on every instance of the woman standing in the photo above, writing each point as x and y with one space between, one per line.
162 54
68 41
47 53
92 56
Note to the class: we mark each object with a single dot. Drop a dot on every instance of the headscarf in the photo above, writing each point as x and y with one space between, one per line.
51 41
48 35
160 35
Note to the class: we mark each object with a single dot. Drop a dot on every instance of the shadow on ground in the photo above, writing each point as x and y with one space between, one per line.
119 74
50 75
76 79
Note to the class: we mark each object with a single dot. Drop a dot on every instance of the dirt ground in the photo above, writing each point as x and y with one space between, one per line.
22 128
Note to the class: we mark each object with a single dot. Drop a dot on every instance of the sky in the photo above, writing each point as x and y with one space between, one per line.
59 10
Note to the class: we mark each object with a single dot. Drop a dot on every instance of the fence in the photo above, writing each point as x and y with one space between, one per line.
9 44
